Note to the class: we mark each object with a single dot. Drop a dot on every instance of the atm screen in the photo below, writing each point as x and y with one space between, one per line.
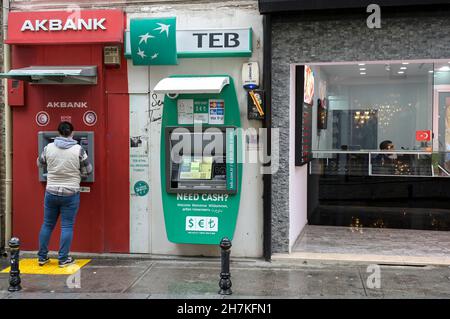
196 161
83 141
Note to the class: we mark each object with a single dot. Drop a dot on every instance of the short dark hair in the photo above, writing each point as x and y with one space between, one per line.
384 145
65 128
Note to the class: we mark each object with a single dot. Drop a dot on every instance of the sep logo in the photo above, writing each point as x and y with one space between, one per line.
202 224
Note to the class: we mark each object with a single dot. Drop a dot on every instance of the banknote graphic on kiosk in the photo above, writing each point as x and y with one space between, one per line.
200 144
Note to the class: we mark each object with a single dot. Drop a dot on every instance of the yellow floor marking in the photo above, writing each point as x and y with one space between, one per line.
31 266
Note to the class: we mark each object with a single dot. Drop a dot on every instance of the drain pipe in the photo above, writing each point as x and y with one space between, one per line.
8 130
267 124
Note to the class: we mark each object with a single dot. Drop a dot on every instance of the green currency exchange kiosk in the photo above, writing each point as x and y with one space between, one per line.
201 172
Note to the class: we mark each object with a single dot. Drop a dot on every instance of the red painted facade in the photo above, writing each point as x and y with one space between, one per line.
102 223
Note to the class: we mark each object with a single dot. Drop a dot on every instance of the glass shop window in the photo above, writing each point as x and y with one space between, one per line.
368 104
377 119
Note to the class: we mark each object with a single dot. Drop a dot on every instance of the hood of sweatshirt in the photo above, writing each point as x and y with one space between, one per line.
64 142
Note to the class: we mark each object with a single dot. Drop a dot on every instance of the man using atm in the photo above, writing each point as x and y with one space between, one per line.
66 162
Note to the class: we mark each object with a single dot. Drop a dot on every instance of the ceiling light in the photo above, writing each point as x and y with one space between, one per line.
362 69
403 68
400 72
444 68
405 63
363 73
362 64
431 71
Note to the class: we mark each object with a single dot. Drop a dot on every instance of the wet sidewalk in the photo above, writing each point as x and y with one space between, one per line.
372 245
198 278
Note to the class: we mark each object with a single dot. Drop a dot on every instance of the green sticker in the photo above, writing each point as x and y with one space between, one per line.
141 188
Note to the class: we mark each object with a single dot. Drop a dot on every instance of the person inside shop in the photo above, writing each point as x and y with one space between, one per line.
66 162
387 145
383 163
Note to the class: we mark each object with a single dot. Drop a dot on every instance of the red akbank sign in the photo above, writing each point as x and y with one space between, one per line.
62 27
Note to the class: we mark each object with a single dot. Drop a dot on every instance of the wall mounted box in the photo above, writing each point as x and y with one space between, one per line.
16 96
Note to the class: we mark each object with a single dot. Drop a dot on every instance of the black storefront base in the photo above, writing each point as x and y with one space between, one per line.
379 202
273 6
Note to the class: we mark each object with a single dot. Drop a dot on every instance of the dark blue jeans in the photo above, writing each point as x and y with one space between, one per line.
67 207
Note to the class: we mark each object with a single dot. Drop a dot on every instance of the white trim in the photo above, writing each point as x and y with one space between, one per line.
192 85
298 176
443 88
373 62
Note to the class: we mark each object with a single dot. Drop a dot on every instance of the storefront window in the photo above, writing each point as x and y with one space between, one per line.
380 145
379 119
372 103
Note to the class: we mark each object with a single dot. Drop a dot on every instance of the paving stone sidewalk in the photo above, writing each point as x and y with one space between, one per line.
197 278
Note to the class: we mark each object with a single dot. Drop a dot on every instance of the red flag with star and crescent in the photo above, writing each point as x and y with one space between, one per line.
423 136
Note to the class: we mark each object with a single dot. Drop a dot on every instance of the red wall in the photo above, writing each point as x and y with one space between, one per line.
102 223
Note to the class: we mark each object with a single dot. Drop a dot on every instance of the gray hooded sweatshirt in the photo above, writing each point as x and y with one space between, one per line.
62 158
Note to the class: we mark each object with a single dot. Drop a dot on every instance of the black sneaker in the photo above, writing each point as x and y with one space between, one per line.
43 261
69 261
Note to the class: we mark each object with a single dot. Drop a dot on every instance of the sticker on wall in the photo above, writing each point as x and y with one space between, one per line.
185 111
90 118
85 189
201 112
136 141
42 118
141 188
216 111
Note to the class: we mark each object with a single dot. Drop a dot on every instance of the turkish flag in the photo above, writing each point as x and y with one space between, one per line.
423 136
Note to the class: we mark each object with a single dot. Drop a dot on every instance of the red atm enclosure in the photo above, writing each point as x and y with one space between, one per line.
102 223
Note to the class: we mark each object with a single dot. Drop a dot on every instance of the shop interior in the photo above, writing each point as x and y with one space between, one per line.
380 145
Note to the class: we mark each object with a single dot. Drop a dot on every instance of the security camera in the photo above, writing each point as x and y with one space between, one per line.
250 75
172 95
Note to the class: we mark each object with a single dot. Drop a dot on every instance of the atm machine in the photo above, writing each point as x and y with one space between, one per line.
200 147
79 77
85 139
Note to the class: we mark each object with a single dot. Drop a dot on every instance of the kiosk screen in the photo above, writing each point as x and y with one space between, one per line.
196 167
197 161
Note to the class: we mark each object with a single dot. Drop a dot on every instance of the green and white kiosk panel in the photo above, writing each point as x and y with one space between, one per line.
200 147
